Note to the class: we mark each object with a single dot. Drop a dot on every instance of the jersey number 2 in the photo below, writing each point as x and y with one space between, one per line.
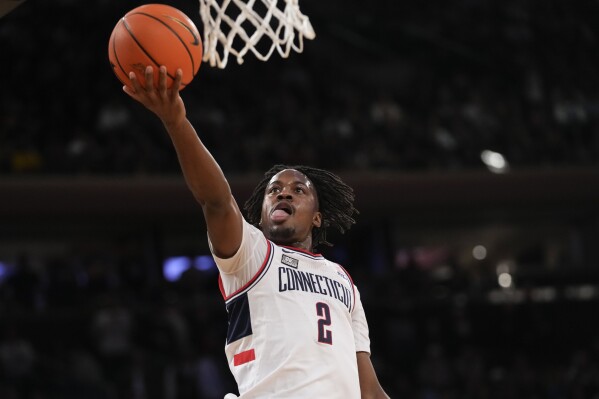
324 313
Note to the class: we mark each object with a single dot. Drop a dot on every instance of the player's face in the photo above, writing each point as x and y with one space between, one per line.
290 209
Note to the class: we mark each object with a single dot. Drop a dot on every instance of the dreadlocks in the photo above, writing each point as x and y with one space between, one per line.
335 199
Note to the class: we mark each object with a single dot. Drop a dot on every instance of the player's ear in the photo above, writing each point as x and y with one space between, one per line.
317 219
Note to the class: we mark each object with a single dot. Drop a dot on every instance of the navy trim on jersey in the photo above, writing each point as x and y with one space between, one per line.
239 320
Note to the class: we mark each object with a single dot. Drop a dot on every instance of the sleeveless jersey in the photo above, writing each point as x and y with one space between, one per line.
295 322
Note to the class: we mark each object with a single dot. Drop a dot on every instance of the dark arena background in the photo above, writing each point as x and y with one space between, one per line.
469 130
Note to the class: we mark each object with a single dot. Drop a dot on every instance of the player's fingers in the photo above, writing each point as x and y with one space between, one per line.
149 78
162 80
177 83
129 91
135 82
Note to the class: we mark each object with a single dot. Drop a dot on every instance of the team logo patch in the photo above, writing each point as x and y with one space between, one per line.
289 261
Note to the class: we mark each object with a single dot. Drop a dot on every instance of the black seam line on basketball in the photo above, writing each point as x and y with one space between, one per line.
195 43
143 49
116 57
195 38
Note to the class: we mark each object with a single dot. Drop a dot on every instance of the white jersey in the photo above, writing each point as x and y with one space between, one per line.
295 322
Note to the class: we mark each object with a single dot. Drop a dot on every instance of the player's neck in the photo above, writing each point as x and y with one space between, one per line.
304 245
299 245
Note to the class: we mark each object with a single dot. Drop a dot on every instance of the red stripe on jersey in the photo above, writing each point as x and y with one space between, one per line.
351 280
220 282
221 287
244 357
301 250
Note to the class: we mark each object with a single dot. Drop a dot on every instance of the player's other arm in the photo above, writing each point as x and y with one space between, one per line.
369 383
202 173
370 387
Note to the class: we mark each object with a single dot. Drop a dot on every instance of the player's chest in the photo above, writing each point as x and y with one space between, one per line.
297 278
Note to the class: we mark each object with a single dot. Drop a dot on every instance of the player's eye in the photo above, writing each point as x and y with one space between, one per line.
274 189
300 190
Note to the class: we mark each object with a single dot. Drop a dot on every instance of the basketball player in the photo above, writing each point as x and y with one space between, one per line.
297 328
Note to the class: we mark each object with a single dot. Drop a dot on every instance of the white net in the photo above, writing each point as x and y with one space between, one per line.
260 26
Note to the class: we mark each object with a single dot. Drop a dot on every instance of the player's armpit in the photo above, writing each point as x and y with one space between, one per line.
370 387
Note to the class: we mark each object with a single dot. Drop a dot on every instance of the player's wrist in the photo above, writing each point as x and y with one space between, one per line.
174 125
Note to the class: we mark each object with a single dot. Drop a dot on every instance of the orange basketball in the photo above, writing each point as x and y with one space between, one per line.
155 35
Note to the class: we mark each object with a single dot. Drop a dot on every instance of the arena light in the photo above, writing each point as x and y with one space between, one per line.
205 263
479 252
584 292
543 294
494 161
4 271
504 280
174 266
505 266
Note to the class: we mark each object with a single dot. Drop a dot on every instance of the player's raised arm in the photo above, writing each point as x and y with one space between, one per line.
202 173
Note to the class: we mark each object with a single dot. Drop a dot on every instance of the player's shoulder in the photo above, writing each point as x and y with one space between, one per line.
342 271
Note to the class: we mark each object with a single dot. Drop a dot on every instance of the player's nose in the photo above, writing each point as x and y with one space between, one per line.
285 194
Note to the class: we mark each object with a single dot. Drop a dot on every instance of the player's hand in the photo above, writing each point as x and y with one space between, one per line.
165 102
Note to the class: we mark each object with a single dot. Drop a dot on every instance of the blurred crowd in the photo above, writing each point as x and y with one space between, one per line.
103 322
389 87
94 326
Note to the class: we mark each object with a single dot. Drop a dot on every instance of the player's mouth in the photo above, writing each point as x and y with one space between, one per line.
281 212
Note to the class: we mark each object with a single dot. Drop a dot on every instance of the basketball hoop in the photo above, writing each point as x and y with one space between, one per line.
238 26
